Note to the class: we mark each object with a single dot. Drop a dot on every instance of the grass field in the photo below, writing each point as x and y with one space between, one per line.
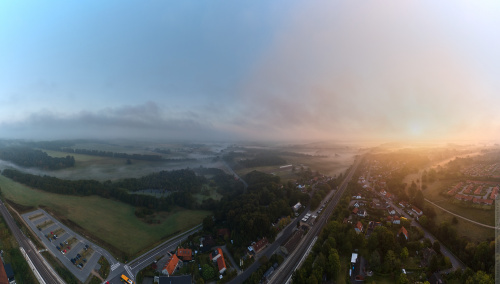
112 221
109 168
464 228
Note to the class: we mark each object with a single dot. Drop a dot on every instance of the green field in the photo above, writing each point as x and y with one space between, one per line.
464 228
111 221
109 168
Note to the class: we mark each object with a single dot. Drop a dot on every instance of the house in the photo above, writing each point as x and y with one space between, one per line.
357 196
297 206
396 220
403 204
417 211
358 228
3 275
494 193
10 273
258 246
185 254
362 213
356 205
404 231
355 211
427 254
223 233
221 263
383 192
216 254
207 242
391 211
171 265
183 279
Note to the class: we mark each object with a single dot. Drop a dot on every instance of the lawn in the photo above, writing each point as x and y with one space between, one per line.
111 221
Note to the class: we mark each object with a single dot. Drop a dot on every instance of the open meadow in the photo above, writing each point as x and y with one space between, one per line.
464 228
110 221
109 168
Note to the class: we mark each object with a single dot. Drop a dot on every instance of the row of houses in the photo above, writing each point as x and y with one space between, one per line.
474 200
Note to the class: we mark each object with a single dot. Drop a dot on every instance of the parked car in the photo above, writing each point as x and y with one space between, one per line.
58 248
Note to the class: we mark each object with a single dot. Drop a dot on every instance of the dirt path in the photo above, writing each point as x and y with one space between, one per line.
466 219
96 274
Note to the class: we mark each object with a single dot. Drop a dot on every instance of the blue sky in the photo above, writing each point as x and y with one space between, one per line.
249 70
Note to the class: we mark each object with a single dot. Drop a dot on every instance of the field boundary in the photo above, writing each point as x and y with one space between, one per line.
459 216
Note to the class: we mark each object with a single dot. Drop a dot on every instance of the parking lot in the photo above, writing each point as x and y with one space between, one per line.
66 245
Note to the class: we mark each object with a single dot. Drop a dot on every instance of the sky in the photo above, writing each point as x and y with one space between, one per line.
250 70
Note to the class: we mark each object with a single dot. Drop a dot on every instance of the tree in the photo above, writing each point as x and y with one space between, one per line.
403 279
375 261
333 265
437 247
390 261
207 272
433 264
404 253
480 278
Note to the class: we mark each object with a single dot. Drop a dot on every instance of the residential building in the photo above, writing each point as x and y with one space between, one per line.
185 254
261 244
417 211
358 228
183 279
404 231
171 265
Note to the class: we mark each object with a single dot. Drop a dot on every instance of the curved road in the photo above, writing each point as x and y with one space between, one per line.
472 221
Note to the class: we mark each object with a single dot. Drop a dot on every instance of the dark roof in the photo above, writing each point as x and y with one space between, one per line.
436 279
9 271
183 279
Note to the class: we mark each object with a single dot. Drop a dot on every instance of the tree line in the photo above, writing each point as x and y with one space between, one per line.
183 183
27 157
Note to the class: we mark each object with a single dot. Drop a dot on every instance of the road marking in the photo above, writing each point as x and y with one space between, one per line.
115 266
129 272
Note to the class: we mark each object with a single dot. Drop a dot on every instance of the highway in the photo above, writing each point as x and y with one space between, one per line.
291 263
43 268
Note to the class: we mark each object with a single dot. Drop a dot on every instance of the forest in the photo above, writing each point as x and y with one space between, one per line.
28 158
182 183
251 214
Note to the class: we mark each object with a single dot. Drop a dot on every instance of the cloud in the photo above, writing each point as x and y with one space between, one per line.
365 70
144 121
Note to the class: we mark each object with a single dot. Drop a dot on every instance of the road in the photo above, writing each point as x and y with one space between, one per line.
457 263
132 268
466 219
285 271
43 268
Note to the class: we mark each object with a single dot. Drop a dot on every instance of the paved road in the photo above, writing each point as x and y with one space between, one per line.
131 269
457 263
43 268
285 271
466 219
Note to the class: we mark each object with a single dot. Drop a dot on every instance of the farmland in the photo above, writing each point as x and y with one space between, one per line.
108 220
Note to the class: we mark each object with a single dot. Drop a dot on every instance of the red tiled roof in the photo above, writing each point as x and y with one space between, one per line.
3 274
172 264
359 226
185 254
260 245
221 263
404 231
